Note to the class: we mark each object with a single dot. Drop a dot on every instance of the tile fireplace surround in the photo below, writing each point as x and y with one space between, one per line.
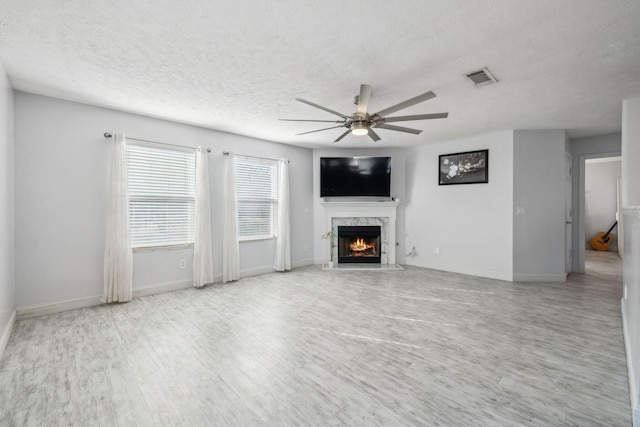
366 213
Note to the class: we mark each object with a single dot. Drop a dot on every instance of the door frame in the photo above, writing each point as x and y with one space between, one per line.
568 213
580 250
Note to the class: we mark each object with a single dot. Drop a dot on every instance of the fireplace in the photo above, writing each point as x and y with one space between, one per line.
359 244
364 213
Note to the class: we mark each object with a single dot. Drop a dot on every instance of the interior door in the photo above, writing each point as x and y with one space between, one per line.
568 214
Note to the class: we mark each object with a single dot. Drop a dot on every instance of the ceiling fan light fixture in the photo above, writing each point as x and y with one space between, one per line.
359 129
362 123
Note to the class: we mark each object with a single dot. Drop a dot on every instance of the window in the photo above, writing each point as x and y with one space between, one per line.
161 196
257 197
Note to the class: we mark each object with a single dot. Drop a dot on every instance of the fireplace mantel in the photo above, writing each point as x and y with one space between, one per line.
386 211
367 207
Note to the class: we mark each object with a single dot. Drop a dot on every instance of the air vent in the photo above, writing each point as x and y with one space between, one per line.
481 77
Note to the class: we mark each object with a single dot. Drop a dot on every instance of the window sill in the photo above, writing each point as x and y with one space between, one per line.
254 239
163 248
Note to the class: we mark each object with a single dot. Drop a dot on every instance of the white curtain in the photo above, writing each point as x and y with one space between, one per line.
230 246
283 241
203 245
118 256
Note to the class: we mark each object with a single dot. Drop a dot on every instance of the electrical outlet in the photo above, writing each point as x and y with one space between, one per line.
306 248
519 210
183 263
437 251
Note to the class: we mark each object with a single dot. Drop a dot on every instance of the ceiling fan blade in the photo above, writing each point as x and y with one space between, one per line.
363 99
416 117
318 130
322 108
398 128
373 135
343 135
408 103
304 120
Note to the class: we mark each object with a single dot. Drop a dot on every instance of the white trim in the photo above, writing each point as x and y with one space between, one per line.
631 368
633 392
497 275
302 263
162 248
363 267
554 278
386 209
6 334
37 310
580 250
255 238
257 271
603 160
160 288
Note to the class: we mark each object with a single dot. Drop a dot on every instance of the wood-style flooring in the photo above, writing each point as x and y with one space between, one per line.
327 348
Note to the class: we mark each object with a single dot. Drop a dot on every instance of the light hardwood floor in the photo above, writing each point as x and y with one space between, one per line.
313 347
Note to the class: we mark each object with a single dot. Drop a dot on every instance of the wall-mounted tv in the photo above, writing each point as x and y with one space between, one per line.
355 177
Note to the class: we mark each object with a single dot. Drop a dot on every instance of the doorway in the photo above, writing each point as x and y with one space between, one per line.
598 201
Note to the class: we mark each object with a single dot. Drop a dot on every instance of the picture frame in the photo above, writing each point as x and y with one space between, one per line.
469 167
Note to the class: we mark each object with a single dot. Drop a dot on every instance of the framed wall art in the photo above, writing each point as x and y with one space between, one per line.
470 167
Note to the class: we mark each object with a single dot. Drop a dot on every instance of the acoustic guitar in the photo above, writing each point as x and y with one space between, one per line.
602 240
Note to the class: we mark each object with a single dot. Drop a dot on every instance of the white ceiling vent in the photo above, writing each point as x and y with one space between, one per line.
481 77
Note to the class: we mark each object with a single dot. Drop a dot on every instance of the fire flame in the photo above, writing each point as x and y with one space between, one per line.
360 245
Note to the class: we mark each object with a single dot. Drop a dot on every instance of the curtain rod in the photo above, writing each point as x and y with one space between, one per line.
226 153
108 135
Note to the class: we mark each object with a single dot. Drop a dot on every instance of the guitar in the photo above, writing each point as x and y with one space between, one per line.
602 240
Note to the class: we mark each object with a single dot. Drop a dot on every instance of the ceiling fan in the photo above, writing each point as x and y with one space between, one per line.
362 123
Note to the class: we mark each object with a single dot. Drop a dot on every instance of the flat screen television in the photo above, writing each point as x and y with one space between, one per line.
355 176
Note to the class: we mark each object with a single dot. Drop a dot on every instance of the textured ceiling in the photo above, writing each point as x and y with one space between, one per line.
236 66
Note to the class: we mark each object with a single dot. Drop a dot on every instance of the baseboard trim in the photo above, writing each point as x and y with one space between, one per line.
37 310
257 271
302 263
633 392
497 275
160 288
6 334
553 278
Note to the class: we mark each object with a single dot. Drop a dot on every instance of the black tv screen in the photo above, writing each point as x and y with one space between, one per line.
355 177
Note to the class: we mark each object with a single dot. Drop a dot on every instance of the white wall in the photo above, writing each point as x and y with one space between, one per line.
398 185
631 144
601 198
631 259
61 167
471 224
539 188
7 217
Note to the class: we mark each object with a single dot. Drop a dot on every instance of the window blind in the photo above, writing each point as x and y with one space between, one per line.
257 197
161 196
